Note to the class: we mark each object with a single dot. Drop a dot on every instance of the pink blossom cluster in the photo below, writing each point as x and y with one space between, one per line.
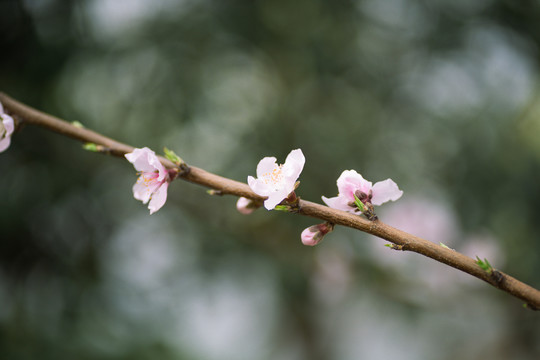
356 194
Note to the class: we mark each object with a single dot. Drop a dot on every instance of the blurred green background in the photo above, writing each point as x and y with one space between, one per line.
441 96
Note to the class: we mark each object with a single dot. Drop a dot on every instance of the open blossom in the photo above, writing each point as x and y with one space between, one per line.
277 181
7 125
153 181
350 183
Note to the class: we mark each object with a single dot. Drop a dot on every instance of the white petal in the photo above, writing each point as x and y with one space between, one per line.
275 198
9 124
338 202
4 143
141 192
157 165
1 109
384 191
294 164
258 186
158 198
349 181
266 165
140 158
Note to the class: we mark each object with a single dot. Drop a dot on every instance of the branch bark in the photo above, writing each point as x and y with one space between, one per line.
402 240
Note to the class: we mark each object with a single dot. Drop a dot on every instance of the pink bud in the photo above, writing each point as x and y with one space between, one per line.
314 234
246 206
311 236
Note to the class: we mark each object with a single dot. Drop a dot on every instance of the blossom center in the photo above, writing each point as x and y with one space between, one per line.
148 178
275 177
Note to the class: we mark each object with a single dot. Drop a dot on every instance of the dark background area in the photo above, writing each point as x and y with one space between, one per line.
441 96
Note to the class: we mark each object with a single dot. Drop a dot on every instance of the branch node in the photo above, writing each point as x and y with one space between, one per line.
396 247
497 276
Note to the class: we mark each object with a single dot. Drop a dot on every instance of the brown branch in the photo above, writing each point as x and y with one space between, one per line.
402 240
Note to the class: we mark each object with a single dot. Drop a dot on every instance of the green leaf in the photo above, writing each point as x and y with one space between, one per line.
359 203
171 155
444 246
282 208
485 265
77 124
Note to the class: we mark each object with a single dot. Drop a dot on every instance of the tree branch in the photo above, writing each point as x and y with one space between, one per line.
402 240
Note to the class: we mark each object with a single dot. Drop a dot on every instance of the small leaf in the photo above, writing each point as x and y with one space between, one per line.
359 203
77 124
282 208
444 246
485 265
171 155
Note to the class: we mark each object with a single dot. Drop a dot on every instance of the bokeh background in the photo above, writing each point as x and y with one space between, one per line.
440 95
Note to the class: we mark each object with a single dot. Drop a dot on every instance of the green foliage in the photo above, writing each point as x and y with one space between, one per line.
359 203
171 155
484 264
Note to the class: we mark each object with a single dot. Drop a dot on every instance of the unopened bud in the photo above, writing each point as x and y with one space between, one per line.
246 206
315 234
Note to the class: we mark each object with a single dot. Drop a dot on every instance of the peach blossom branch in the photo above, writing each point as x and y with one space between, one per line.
24 114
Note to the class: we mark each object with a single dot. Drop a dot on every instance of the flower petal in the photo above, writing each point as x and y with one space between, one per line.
384 191
4 143
349 181
266 165
142 191
141 159
294 164
154 162
339 203
159 197
259 187
275 198
9 124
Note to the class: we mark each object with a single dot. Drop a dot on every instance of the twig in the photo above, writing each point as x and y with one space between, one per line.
402 240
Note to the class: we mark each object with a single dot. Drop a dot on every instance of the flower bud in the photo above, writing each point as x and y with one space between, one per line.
314 234
246 206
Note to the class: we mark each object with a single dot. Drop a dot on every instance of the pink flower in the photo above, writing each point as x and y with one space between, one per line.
350 183
277 181
7 125
315 234
153 181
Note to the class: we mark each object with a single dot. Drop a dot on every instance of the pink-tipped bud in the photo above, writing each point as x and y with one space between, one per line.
246 206
315 234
